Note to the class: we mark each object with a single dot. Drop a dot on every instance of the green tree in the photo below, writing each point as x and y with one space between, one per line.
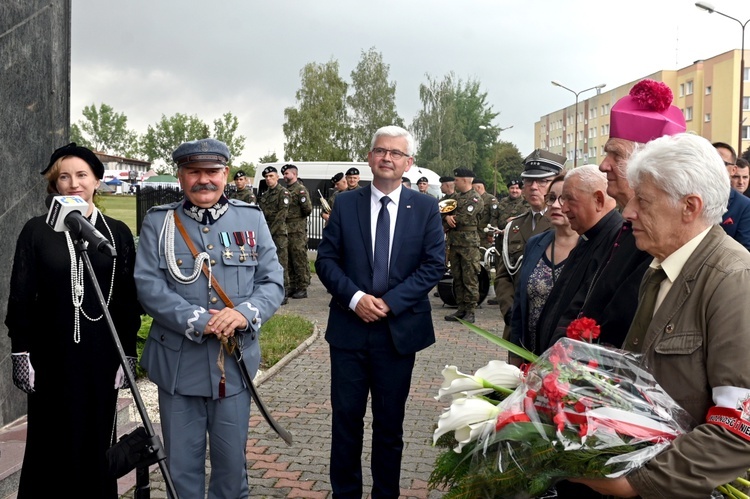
509 162
104 130
269 158
373 103
165 136
225 130
318 129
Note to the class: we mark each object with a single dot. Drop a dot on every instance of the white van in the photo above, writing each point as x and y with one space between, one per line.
316 175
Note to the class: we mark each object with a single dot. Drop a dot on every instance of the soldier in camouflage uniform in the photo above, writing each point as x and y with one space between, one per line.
244 192
489 214
448 188
275 204
300 207
464 242
339 185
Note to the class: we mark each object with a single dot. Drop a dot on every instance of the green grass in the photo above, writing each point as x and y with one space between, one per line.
120 207
279 336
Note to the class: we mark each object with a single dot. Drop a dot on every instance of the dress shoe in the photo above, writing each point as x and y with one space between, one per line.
492 301
469 317
455 316
300 293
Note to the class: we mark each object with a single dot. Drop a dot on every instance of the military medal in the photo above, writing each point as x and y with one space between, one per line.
227 253
251 243
239 238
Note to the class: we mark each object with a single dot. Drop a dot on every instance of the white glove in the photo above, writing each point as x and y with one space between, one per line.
23 372
121 381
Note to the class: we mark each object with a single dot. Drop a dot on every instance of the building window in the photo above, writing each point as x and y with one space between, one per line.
592 151
688 113
707 118
606 109
605 129
745 103
689 88
746 74
708 90
682 89
746 132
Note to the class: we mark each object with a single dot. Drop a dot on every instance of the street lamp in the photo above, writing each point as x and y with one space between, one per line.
575 133
710 9
499 131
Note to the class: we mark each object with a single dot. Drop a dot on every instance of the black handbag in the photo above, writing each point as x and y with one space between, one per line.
134 450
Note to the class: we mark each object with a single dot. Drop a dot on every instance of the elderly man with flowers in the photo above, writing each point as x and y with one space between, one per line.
690 326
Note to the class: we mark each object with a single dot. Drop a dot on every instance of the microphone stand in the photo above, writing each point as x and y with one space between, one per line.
155 448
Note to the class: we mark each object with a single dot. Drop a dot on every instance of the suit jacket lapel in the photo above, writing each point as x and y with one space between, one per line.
363 212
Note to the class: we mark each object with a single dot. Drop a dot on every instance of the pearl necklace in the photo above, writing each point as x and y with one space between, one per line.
76 279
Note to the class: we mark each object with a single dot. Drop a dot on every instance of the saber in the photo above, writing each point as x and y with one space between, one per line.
275 426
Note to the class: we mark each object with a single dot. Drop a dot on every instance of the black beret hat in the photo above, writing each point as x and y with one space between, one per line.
80 152
210 151
446 179
423 179
478 181
269 169
463 172
239 174
515 181
337 177
542 164
405 179
286 167
352 171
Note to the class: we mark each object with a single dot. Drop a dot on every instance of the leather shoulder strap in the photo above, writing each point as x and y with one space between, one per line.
214 283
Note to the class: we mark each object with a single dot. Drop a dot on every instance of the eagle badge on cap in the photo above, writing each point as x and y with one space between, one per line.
204 146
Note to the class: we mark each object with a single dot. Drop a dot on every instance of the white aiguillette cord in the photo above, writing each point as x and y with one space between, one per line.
219 291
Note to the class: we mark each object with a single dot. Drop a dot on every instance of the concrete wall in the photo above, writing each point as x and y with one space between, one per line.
35 117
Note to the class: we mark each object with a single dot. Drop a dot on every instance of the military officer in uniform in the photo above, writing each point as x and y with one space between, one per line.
201 389
352 179
275 205
539 168
244 192
462 225
489 214
300 207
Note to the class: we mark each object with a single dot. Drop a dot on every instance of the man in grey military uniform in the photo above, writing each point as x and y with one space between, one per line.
462 225
275 205
201 389
539 168
244 192
300 207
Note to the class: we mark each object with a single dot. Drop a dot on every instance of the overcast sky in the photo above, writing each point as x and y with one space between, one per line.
152 57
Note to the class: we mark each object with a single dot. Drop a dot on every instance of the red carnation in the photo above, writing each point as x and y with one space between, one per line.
583 329
653 95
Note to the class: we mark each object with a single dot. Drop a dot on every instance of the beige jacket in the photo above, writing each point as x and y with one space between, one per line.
698 340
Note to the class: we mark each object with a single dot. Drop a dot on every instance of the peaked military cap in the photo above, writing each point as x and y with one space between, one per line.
337 177
269 169
239 174
352 171
463 172
80 152
209 151
542 164
423 180
286 167
446 179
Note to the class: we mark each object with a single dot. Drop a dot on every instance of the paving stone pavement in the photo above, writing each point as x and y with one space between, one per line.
297 392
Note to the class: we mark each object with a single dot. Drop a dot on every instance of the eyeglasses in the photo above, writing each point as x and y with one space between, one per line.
380 152
541 182
550 199
726 163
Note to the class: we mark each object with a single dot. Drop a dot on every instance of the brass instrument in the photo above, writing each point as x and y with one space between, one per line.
447 205
324 203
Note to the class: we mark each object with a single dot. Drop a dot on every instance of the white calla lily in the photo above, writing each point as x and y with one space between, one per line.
469 433
461 415
497 375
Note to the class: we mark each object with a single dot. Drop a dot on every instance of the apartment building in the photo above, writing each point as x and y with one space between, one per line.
707 92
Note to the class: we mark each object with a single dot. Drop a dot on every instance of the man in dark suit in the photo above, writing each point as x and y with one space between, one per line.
378 319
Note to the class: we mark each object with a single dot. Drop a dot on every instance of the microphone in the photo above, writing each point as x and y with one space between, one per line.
67 214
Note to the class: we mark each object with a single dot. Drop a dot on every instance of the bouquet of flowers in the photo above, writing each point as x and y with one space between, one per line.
578 410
